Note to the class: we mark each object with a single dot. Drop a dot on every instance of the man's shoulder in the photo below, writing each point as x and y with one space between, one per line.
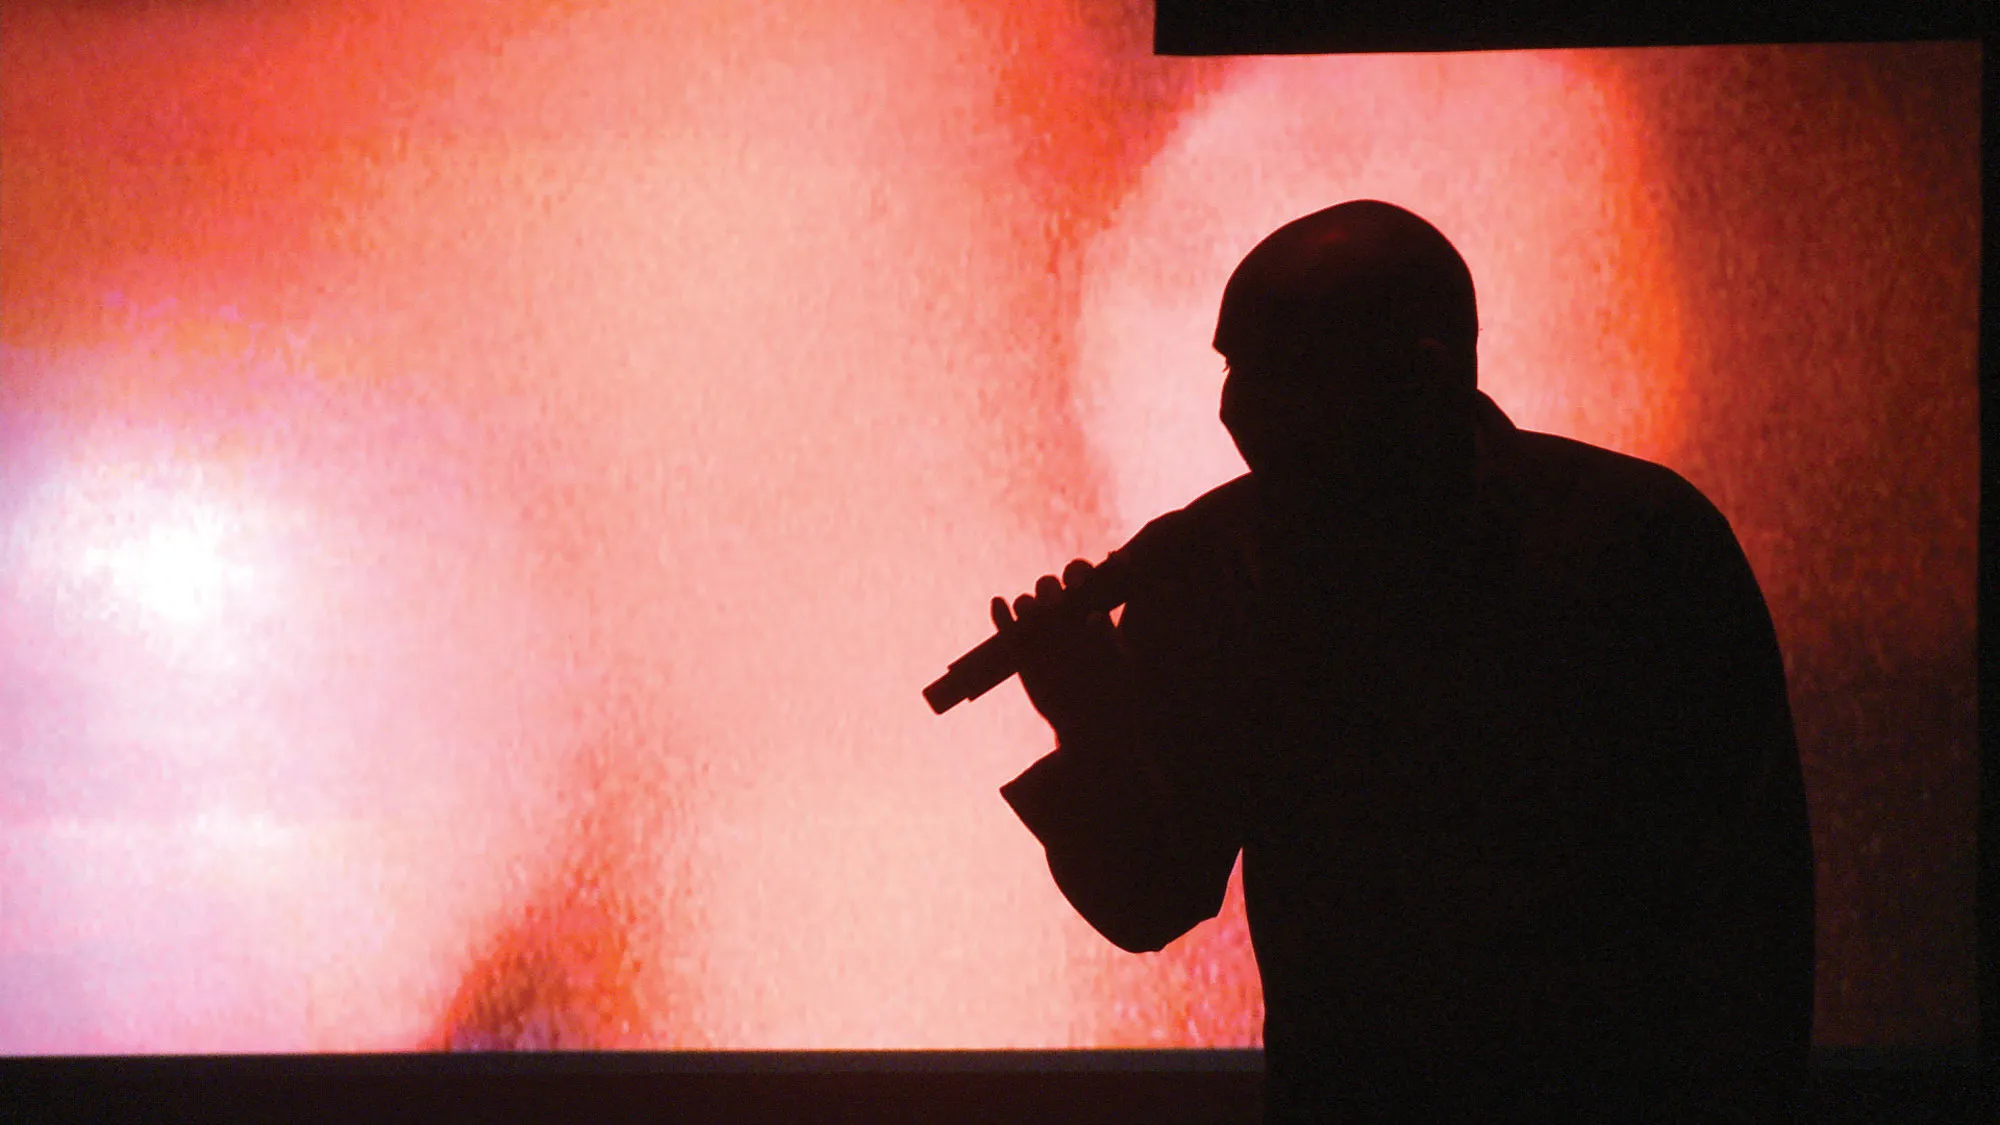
1229 501
1221 511
1206 541
1604 483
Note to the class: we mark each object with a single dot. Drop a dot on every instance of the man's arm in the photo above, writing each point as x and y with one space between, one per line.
1736 829
1138 869
1138 839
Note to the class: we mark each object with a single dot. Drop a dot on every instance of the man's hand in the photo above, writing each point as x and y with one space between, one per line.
1072 663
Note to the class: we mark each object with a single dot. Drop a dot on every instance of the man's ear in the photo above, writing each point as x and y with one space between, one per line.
1431 364
1438 364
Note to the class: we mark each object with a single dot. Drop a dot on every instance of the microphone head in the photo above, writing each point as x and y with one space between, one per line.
942 694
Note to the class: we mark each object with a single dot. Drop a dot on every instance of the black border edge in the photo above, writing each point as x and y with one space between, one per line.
1292 27
1987 892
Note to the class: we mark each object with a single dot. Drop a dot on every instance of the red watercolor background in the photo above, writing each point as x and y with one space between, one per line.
480 491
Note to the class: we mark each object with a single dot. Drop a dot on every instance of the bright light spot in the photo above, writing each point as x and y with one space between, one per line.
157 538
176 567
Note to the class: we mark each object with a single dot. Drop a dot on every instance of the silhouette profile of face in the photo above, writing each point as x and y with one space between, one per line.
1349 336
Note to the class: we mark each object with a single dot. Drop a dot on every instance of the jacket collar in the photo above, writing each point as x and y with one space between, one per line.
1494 437
1498 467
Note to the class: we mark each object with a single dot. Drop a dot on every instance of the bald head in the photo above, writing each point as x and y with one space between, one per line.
1350 336
1362 274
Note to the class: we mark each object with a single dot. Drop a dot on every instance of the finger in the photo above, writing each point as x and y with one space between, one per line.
1077 571
1049 590
1025 608
1001 617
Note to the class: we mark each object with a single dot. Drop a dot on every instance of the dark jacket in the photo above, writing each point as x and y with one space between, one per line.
1521 815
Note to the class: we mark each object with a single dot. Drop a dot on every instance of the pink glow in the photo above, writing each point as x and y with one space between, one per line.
489 490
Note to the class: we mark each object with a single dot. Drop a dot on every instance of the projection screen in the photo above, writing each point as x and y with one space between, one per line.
482 486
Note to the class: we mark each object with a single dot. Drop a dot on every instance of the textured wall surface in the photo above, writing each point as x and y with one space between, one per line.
479 494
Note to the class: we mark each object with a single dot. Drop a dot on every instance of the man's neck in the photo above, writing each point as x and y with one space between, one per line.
1422 501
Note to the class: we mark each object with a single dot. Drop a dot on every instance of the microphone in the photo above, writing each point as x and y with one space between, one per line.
1110 583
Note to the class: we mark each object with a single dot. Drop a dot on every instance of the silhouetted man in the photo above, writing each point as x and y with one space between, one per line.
1497 720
